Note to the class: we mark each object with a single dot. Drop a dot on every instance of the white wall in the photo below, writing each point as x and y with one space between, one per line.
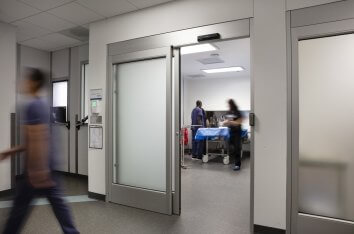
214 93
270 75
297 4
8 94
30 57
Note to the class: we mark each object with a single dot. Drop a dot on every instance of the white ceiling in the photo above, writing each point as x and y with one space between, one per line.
232 53
39 22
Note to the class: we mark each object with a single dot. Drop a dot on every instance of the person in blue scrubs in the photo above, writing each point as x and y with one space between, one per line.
39 166
197 122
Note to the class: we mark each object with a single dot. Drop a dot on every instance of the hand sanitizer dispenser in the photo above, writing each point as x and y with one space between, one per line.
95 106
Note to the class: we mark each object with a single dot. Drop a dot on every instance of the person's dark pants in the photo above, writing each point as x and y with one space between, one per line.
236 147
22 207
197 146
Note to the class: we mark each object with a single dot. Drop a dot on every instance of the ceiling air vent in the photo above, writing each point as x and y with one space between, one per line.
78 33
196 76
213 59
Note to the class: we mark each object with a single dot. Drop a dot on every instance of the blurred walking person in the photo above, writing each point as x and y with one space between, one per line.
39 179
234 122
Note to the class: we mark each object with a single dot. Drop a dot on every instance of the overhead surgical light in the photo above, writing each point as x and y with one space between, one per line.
224 69
197 49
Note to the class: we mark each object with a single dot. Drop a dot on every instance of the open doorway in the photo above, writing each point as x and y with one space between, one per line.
213 73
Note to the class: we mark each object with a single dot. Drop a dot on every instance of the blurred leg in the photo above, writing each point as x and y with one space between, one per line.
61 210
194 144
20 210
235 148
200 149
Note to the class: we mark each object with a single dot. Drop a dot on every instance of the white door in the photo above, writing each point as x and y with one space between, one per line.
323 113
140 167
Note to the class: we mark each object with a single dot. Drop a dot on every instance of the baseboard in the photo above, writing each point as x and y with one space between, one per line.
7 192
70 174
258 229
97 196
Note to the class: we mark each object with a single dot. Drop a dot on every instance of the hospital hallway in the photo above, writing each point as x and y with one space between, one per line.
215 199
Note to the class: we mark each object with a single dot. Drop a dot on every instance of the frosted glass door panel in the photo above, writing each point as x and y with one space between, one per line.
326 127
141 124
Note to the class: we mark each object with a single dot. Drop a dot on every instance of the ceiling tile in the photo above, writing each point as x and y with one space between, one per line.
38 44
49 22
109 8
58 40
51 42
27 30
76 13
45 4
11 10
148 3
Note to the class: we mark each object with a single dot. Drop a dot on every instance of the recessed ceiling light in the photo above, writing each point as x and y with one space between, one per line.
197 49
224 69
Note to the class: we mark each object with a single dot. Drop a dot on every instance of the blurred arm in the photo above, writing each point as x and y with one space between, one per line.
13 151
233 123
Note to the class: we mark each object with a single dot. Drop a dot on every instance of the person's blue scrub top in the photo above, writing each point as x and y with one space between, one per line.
197 112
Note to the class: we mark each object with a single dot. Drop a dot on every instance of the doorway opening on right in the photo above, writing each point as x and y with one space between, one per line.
216 135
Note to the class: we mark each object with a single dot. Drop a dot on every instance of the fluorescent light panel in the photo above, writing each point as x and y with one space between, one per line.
197 49
224 69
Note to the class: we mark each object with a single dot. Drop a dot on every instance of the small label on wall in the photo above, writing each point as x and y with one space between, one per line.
96 119
96 137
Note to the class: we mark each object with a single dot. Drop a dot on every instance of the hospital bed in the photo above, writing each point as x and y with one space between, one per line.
218 136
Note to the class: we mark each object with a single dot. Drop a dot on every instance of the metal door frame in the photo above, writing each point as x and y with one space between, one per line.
228 31
79 118
297 34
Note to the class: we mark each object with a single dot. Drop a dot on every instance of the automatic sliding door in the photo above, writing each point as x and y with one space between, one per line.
142 106
325 128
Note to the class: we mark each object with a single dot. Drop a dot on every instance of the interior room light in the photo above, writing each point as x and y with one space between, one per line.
197 49
224 69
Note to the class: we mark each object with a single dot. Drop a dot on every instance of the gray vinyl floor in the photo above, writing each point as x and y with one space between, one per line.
215 200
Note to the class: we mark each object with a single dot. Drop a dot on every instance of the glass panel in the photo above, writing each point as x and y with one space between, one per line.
84 91
326 127
60 101
141 124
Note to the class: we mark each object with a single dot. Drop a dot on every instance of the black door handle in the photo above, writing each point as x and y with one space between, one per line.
81 123
67 125
252 119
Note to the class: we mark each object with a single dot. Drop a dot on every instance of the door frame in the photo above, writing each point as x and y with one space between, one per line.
231 30
321 30
80 116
